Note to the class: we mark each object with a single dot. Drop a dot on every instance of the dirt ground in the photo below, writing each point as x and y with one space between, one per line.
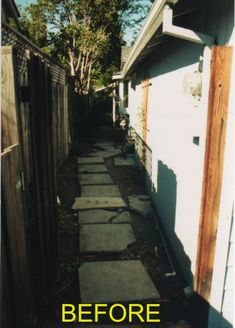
175 309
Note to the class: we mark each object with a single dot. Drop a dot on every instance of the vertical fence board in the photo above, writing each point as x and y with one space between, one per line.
8 311
15 216
44 169
8 100
16 236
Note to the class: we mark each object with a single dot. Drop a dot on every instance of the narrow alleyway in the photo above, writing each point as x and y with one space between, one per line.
117 196
110 247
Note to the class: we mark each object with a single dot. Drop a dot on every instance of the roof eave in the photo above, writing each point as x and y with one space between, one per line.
151 25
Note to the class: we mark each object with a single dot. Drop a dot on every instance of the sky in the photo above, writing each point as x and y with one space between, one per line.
24 2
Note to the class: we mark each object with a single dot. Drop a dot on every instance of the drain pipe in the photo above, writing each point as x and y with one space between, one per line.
181 32
173 272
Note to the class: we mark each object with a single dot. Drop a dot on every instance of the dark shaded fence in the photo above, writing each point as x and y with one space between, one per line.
101 109
37 112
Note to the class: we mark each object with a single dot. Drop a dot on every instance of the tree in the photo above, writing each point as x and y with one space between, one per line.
34 24
85 35
133 17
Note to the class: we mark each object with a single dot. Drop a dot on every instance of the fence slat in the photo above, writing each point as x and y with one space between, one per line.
8 95
16 237
44 169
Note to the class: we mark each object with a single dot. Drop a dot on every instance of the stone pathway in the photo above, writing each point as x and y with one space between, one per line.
90 160
105 237
92 168
98 190
103 216
115 281
105 227
95 179
128 161
86 203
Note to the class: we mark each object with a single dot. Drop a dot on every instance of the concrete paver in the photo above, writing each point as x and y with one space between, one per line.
140 204
95 179
121 218
92 168
106 153
104 144
115 281
90 160
100 190
105 237
129 161
86 203
86 325
103 216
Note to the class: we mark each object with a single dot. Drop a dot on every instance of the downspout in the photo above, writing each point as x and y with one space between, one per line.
181 32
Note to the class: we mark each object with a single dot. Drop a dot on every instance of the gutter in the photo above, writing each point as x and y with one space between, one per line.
152 23
183 33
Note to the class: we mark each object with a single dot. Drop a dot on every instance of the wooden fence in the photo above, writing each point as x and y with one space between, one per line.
36 106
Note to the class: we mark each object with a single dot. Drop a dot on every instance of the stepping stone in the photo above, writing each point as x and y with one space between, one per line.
86 325
140 204
118 161
115 281
123 217
112 149
102 216
95 179
90 160
103 139
106 153
86 203
92 168
100 190
105 237
104 144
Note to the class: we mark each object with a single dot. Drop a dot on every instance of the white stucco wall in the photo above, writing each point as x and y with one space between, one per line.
174 119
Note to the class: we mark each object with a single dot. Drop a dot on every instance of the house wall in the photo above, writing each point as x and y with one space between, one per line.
176 129
174 119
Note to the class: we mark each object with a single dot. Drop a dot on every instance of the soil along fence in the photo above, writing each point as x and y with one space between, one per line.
36 111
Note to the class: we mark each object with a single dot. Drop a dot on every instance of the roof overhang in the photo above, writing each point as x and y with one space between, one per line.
116 76
151 25
12 8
